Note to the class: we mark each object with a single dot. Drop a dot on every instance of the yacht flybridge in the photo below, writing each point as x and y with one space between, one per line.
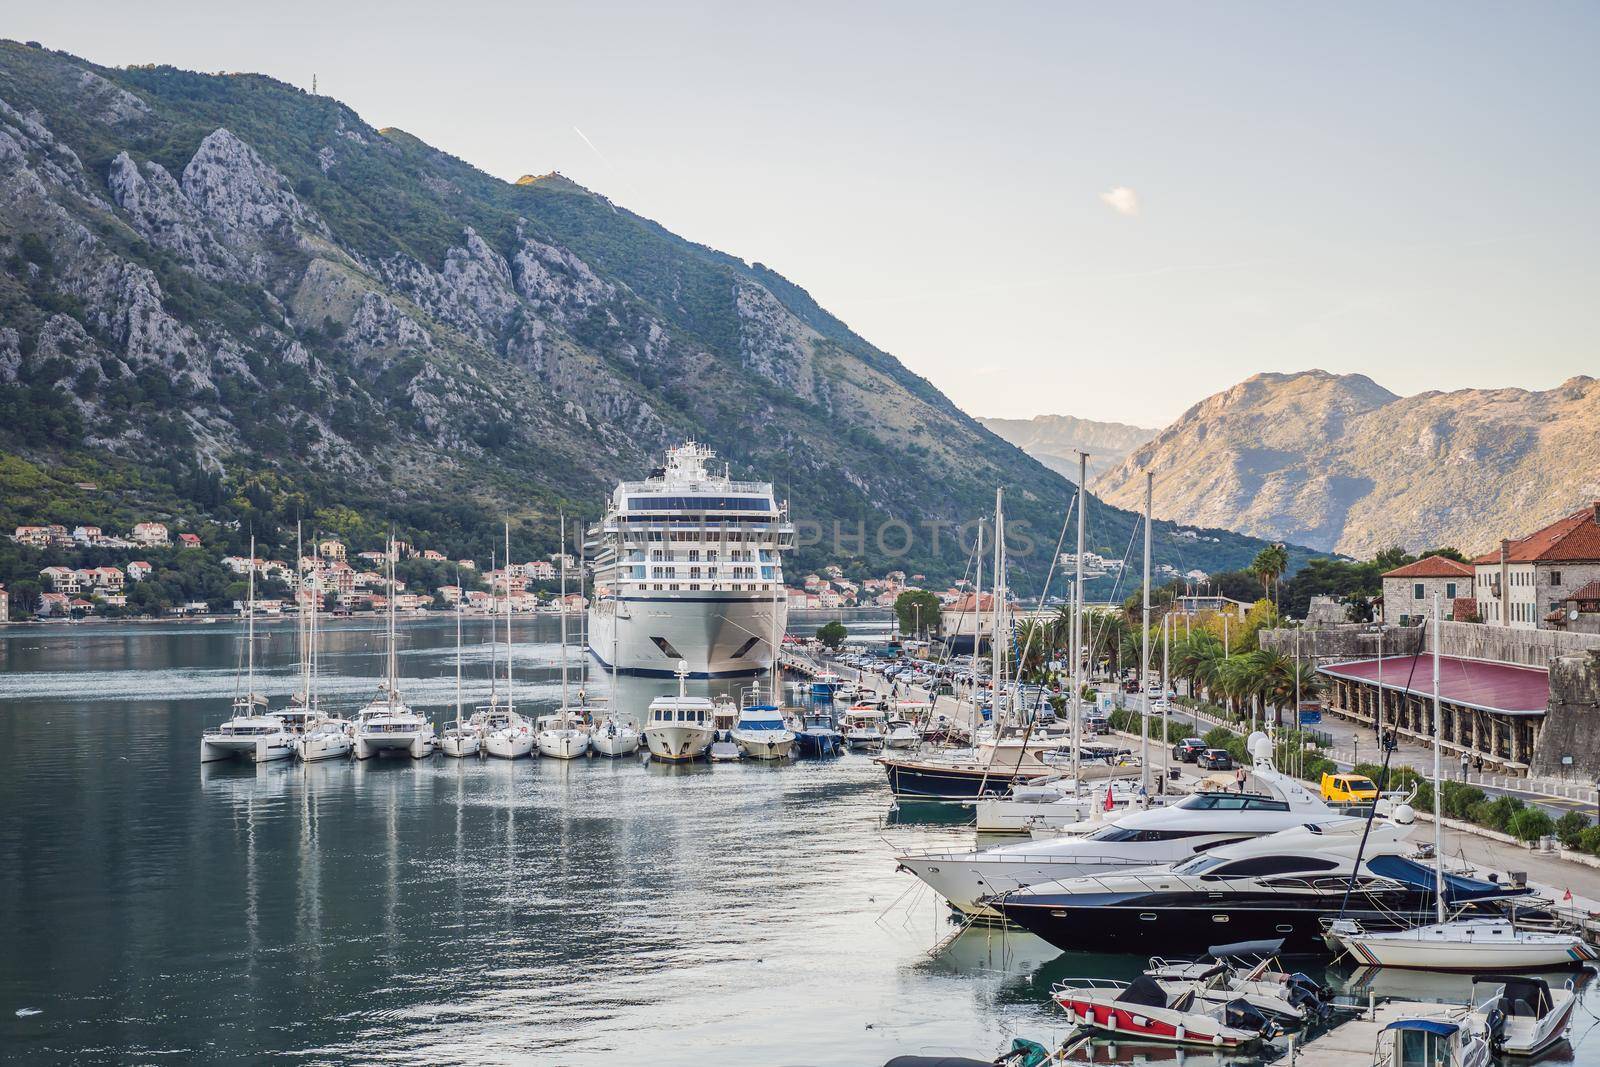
250 732
687 568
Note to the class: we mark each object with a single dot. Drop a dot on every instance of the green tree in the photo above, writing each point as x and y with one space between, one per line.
1269 565
832 634
918 612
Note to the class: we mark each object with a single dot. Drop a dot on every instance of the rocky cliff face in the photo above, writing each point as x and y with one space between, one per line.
221 284
1339 463
1055 440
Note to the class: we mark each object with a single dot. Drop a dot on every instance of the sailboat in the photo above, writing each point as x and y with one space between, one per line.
1461 944
251 732
506 735
614 734
565 734
461 737
388 723
323 736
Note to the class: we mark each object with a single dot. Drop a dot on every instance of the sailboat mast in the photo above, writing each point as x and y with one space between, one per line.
494 636
250 630
1166 700
563 556
998 642
977 630
1077 631
510 697
301 631
394 666
1438 829
459 599
1144 663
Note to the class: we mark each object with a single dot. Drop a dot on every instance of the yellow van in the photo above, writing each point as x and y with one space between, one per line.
1348 789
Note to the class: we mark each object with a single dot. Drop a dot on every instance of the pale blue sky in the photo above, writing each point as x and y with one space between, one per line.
1406 191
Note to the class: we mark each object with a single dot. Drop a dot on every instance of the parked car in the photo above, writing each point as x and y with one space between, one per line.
1214 759
1348 789
1188 750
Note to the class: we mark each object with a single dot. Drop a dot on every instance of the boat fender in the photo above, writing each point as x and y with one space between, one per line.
1216 1040
1182 1032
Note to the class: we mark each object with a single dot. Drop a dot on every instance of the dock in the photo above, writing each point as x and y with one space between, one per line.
1353 1041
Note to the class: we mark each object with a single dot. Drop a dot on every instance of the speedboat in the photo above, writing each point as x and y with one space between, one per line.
614 737
814 731
1275 886
761 734
900 733
862 725
563 735
824 685
1115 841
679 728
1466 944
1522 1016
250 733
1289 998
1442 1039
1142 1009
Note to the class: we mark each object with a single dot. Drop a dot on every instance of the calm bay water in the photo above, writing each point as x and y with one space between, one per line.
458 911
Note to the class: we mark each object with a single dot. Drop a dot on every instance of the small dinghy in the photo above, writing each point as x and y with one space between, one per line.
1290 999
1522 1016
725 752
1142 1009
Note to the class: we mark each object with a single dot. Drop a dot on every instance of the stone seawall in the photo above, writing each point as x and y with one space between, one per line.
1337 644
1503 644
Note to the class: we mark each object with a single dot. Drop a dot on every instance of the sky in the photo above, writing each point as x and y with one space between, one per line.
1103 210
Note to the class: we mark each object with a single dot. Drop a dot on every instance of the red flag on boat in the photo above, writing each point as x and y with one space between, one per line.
1568 896
1109 805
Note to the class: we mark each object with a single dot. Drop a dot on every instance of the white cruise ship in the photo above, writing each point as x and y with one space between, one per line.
688 569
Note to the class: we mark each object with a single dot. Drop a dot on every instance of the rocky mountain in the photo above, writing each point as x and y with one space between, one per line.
1055 440
1342 464
223 296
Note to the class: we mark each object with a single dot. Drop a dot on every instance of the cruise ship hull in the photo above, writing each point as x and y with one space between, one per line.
719 635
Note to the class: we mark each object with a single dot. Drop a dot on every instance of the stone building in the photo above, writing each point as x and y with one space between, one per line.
1408 591
1525 583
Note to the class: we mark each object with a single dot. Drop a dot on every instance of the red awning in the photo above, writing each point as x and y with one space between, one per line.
1470 683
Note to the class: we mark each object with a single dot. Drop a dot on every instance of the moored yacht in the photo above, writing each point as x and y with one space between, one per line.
251 732
1280 885
322 736
614 736
1123 840
388 723
563 735
679 728
761 733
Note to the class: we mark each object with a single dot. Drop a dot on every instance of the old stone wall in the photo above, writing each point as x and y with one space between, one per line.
1502 644
1572 719
1337 644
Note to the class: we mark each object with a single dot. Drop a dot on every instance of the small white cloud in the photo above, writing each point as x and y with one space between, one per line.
1122 200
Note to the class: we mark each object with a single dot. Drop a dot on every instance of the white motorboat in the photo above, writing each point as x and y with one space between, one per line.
761 733
388 723
862 726
1464 945
900 733
251 732
1291 999
724 751
1442 1038
1122 840
1047 808
614 736
679 728
1142 1009
1521 1015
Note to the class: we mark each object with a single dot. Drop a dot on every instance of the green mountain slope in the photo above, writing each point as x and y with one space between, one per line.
223 297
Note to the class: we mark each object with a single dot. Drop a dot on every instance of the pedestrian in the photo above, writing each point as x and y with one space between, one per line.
1238 777
1466 762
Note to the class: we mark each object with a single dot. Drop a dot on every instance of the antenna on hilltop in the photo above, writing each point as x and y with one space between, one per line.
313 85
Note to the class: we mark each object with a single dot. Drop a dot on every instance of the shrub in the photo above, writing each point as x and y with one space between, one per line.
1589 840
1570 828
1458 799
1498 813
1530 824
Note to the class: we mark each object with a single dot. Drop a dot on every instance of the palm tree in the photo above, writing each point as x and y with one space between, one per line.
1268 566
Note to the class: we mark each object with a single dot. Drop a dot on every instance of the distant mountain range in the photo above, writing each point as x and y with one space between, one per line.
223 298
1342 464
1055 440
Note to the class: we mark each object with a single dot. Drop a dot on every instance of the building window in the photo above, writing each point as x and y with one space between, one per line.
1555 578
1416 591
1450 590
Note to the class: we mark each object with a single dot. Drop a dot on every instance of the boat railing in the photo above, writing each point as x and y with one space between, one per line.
1098 985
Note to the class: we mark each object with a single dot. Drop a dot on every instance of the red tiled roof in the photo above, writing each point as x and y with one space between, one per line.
1588 592
1573 539
1432 567
1464 608
1471 683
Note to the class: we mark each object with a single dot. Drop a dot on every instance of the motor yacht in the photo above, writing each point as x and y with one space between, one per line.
815 733
1276 886
862 726
1121 839
679 728
761 733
